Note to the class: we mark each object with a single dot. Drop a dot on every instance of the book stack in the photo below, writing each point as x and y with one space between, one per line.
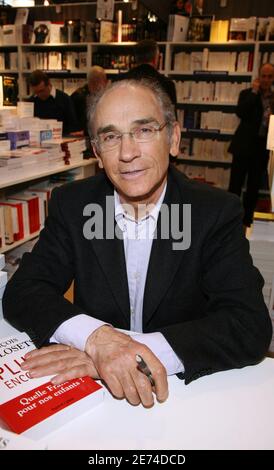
3 279
204 92
216 176
71 148
212 61
36 407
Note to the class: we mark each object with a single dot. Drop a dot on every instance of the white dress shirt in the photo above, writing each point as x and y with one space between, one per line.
137 239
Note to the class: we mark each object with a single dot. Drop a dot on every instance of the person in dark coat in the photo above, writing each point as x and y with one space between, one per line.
248 146
147 59
96 80
50 103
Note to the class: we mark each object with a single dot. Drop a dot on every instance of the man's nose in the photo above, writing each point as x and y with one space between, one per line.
129 148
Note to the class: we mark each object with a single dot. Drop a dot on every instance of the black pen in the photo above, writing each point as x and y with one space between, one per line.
143 367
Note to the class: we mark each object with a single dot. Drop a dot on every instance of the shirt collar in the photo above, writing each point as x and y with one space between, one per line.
120 212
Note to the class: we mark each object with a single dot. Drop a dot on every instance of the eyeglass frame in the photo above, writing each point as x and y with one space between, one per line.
157 128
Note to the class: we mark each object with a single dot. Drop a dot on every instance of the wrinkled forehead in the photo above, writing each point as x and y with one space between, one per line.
126 103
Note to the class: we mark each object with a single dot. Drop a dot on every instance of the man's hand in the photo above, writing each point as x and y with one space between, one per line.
256 85
114 356
67 362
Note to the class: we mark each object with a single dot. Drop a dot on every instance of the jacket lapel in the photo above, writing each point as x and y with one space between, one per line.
111 257
164 260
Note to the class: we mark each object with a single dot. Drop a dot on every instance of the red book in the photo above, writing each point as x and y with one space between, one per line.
20 222
36 407
33 209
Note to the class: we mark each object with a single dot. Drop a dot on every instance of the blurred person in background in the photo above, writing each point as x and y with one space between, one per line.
50 103
248 146
96 80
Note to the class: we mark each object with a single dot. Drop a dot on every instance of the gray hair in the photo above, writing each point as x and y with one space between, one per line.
153 85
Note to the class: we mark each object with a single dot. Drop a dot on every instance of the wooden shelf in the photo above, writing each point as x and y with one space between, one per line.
47 172
20 242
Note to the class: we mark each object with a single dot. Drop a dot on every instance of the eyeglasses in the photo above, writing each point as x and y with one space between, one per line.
112 139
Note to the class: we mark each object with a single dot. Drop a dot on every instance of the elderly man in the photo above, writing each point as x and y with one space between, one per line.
187 305
97 80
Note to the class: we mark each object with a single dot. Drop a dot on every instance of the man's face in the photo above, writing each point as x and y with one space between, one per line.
266 77
138 170
42 90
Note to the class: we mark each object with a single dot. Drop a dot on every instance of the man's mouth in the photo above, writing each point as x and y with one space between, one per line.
131 173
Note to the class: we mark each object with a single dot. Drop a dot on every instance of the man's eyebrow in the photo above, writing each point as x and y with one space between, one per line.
108 128
112 127
147 120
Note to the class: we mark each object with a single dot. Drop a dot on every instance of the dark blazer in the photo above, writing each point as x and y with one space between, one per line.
79 98
250 111
148 71
206 300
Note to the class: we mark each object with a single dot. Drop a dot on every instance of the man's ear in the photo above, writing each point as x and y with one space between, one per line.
97 155
175 140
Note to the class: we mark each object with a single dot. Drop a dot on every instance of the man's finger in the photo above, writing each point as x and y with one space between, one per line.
161 383
46 349
73 373
48 358
144 388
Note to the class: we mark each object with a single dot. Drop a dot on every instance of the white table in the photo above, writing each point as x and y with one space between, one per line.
227 410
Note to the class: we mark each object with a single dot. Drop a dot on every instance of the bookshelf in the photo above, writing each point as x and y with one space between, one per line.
117 57
67 64
88 169
33 174
209 77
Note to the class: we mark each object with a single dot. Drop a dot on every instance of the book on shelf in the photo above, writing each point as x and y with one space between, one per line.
108 31
14 210
36 407
199 28
262 27
242 29
10 90
185 147
219 30
2 228
30 209
41 32
270 29
21 16
177 28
